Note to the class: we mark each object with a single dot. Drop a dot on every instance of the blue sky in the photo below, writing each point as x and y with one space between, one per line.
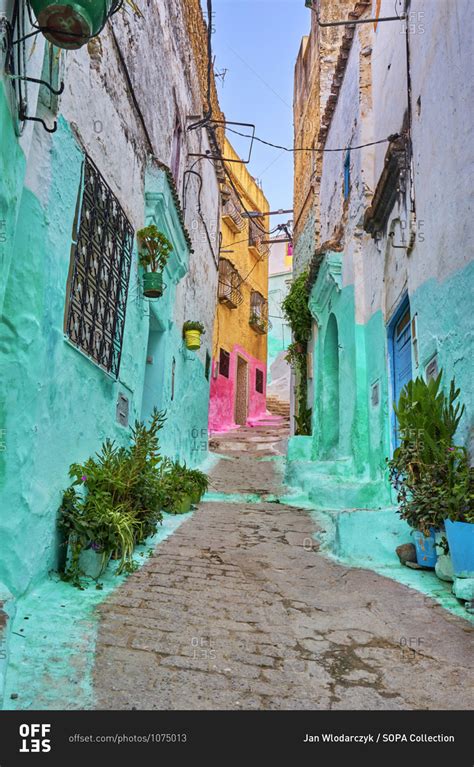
257 41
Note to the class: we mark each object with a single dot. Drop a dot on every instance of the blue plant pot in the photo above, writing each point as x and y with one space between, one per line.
426 555
460 537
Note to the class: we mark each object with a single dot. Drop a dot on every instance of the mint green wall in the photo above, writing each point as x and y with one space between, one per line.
185 432
12 171
445 327
58 405
279 335
352 473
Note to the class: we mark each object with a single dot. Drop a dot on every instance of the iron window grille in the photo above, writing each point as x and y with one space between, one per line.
256 238
258 319
224 363
259 381
100 271
231 214
229 292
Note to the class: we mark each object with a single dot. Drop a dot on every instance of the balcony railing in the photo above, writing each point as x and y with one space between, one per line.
258 319
229 292
231 214
256 238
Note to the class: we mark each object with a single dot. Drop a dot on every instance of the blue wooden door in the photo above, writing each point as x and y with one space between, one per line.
401 358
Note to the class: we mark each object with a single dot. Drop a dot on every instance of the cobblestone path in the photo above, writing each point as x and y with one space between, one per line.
236 611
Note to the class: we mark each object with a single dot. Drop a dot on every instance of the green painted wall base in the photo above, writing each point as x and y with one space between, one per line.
7 614
463 588
52 649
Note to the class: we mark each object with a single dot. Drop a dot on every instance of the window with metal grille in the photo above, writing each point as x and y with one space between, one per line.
259 381
229 292
224 363
258 319
99 272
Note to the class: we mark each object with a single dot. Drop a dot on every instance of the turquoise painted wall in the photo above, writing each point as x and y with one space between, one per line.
58 406
445 327
350 470
279 335
184 395
12 172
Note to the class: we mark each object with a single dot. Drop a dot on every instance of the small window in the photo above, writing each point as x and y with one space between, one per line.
99 273
347 174
259 381
224 363
207 369
432 368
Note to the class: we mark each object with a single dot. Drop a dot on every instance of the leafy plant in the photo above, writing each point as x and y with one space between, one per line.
298 361
180 482
192 325
115 500
296 310
155 248
430 473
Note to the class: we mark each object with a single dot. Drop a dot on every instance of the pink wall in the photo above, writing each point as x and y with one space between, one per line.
222 397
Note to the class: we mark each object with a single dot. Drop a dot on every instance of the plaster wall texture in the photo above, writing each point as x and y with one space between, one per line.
57 405
372 104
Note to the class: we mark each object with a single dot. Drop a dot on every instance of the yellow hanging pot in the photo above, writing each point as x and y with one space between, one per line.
192 339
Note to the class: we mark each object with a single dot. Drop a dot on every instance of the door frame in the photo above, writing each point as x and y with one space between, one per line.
241 357
402 306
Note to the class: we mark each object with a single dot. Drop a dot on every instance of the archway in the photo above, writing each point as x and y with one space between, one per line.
330 389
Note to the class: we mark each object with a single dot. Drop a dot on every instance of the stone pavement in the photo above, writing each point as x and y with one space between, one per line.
238 610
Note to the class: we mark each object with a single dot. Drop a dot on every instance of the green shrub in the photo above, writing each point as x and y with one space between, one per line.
116 498
430 473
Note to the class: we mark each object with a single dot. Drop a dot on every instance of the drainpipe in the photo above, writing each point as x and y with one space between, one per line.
411 181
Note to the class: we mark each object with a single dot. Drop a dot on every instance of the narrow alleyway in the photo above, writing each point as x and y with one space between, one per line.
237 610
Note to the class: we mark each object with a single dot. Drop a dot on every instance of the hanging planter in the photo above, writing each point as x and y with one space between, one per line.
71 23
155 249
192 332
153 284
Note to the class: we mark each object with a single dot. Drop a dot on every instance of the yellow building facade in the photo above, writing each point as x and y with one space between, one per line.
239 349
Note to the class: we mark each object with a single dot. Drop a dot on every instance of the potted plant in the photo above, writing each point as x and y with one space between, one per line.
200 483
114 503
155 249
459 522
425 467
71 23
192 332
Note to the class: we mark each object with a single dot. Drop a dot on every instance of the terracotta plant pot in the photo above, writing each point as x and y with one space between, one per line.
153 284
71 23
192 339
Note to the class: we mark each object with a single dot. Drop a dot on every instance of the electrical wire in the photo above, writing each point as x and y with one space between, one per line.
392 137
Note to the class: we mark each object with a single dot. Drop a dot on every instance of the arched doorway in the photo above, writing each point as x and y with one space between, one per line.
330 389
